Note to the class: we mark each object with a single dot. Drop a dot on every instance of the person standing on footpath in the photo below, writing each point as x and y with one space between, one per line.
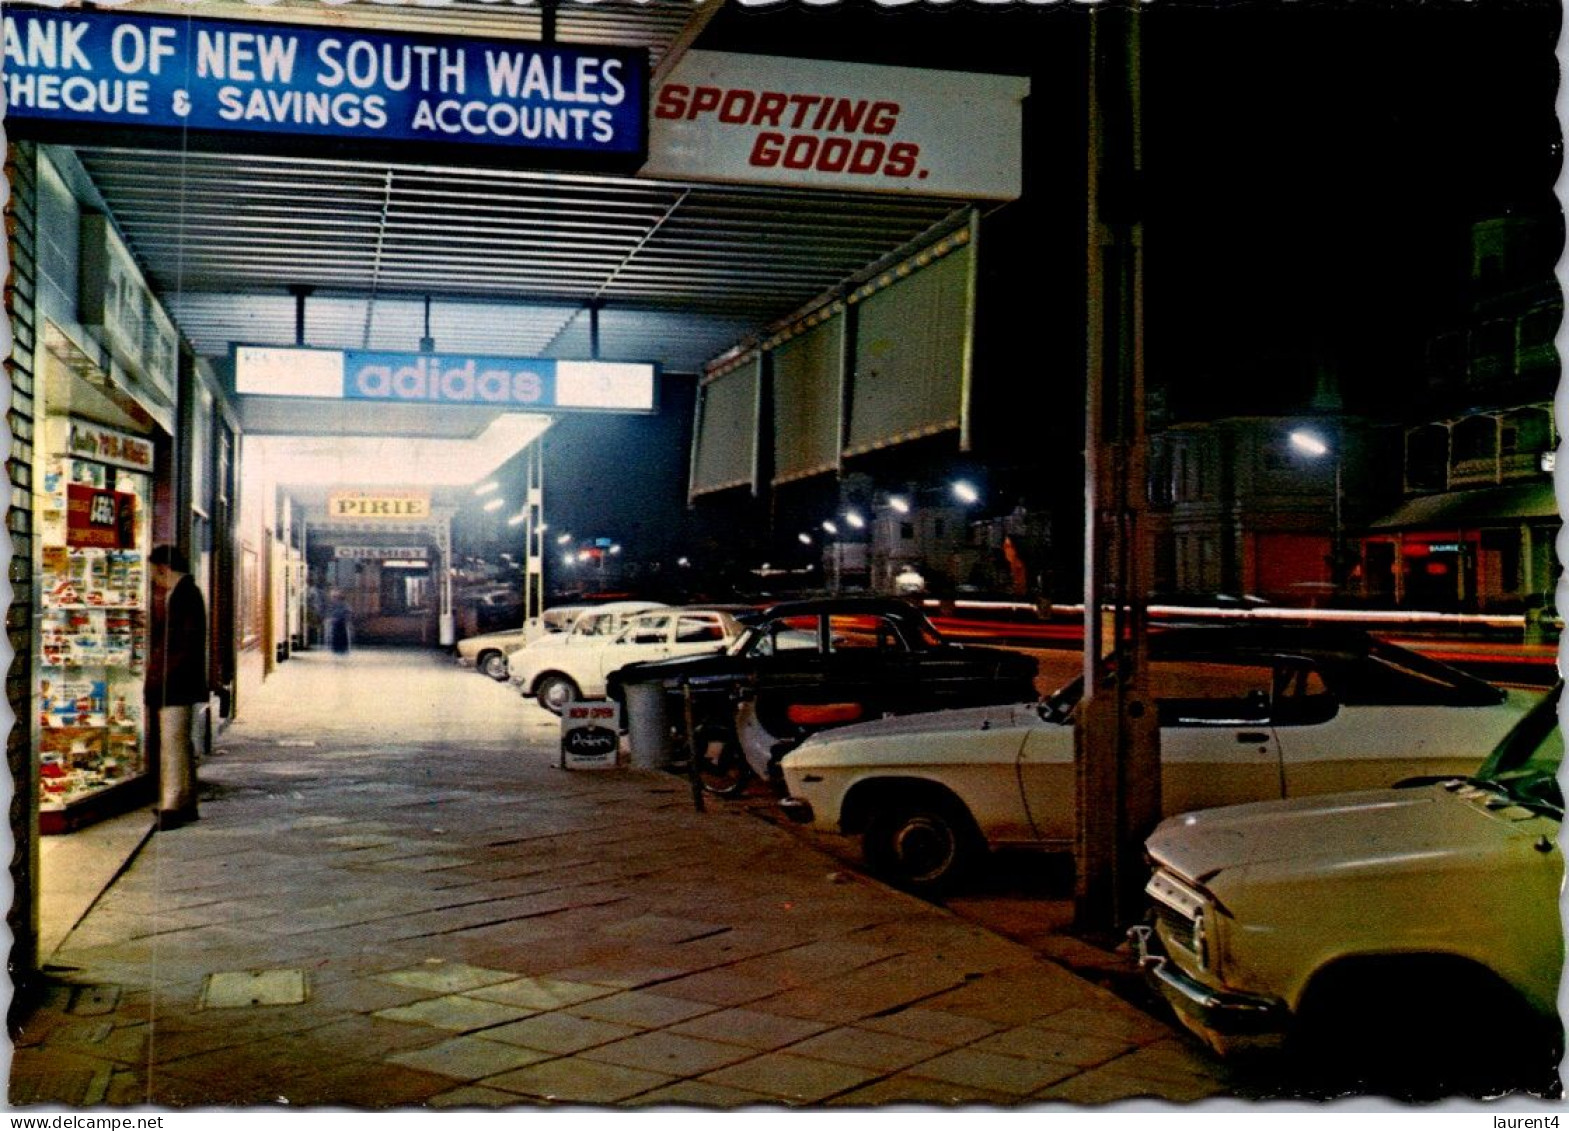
338 618
176 681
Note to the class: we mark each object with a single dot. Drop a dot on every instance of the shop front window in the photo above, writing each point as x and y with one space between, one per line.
93 632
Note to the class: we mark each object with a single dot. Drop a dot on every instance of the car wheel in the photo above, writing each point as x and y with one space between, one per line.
555 691
1474 1037
923 846
721 767
494 664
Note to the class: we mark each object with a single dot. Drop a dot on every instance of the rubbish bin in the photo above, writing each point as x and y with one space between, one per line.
648 727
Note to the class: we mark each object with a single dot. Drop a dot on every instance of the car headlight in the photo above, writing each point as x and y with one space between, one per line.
1186 916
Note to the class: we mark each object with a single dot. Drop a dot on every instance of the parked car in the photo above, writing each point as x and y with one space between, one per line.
1247 713
591 625
497 607
1411 923
487 652
578 669
806 666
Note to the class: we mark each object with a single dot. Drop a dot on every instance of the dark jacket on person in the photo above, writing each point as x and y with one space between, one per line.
177 657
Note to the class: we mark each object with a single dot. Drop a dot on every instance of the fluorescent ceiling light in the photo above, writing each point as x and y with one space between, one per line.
396 461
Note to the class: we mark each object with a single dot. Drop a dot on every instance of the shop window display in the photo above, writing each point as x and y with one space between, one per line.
93 638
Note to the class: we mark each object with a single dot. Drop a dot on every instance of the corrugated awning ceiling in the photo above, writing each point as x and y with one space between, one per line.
675 269
512 260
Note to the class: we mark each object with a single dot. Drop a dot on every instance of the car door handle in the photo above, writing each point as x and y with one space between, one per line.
1250 736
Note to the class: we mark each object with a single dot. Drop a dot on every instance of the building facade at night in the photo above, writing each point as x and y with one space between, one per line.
1454 513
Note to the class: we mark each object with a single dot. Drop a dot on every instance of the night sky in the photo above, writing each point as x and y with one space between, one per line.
1311 174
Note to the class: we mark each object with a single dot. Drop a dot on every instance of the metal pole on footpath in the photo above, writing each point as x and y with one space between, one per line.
691 748
1116 739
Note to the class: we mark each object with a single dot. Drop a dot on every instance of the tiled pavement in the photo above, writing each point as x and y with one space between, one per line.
393 898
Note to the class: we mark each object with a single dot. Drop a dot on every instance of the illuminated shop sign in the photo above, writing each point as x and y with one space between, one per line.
755 119
444 379
394 505
180 73
449 379
381 553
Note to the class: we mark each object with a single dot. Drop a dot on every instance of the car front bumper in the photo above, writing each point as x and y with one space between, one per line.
1227 1020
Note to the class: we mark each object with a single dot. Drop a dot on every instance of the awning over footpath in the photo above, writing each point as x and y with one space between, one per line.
1481 507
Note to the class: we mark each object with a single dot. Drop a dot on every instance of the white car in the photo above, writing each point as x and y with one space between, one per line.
577 664
1383 932
1246 714
488 651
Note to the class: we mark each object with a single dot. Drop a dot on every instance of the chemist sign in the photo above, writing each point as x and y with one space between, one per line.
155 74
380 553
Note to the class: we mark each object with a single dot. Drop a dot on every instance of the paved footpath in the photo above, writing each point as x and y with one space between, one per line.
394 898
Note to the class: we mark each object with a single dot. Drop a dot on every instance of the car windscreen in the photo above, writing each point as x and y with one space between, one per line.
1526 761
1389 675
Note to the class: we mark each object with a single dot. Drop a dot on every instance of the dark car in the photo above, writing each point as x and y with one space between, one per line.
806 666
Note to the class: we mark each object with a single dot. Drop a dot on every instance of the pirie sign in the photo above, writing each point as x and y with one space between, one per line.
391 506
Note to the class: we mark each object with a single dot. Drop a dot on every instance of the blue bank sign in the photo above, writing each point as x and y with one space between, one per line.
177 73
512 383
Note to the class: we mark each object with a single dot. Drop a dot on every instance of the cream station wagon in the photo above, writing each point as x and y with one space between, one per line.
1396 936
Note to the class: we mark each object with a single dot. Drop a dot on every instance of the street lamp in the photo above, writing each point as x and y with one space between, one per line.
965 492
1310 443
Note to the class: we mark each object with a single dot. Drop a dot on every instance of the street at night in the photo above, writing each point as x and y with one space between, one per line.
769 554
